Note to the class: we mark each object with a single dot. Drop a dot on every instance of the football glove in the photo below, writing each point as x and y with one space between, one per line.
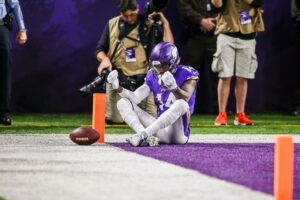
169 81
112 79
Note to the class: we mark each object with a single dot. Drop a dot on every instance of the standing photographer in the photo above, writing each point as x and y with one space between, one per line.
7 6
125 45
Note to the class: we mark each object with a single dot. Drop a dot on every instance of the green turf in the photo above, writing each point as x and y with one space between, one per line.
65 123
1 198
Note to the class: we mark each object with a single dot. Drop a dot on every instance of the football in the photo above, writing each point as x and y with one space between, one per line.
84 136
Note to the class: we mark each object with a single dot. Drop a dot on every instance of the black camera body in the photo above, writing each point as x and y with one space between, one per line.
8 21
155 6
98 85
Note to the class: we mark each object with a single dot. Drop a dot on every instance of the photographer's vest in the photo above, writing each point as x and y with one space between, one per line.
229 20
141 65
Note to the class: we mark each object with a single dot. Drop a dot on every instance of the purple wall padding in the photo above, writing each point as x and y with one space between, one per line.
59 55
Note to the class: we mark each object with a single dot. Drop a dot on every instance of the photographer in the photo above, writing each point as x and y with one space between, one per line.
8 8
125 45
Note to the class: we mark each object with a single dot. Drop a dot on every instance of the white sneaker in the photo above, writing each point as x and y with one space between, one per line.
152 141
136 139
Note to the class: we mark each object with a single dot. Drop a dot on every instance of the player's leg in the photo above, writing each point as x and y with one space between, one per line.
177 133
178 109
133 115
136 118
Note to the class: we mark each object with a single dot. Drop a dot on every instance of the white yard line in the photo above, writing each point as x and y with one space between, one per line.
48 167
217 138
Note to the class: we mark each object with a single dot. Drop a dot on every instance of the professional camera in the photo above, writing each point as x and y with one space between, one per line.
96 85
155 6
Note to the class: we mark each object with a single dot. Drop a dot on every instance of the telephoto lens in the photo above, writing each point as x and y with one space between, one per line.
97 85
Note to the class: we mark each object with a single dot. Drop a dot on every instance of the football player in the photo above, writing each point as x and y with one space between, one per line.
174 89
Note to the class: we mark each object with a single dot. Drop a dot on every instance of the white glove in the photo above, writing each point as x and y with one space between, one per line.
169 81
112 78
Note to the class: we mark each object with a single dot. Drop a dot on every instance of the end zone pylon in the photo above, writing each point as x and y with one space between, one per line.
284 168
98 118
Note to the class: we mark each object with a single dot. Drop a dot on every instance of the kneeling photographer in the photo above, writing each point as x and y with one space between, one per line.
125 45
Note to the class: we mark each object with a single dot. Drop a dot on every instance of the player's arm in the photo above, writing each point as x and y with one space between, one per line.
137 96
186 91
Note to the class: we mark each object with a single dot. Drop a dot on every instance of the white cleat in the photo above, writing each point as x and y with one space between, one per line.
136 139
152 141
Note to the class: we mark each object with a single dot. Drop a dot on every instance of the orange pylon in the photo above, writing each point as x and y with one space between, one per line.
283 168
98 118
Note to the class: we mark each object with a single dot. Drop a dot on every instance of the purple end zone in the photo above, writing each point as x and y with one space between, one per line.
251 165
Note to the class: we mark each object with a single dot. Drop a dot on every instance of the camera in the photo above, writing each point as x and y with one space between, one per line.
97 84
155 6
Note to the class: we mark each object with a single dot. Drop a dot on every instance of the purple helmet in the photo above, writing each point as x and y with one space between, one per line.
165 53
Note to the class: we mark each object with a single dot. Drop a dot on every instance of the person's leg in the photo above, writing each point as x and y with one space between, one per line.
169 117
241 88
136 118
112 114
163 127
5 76
223 63
246 65
175 133
213 79
223 93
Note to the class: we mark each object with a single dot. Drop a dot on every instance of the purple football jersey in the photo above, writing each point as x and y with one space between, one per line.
164 98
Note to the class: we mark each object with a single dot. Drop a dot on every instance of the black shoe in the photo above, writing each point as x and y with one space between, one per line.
5 120
295 112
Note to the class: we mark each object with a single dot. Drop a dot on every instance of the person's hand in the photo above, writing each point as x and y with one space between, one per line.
105 64
162 17
169 81
207 24
21 37
112 79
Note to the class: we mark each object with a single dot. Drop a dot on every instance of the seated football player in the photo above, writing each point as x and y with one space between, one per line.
174 89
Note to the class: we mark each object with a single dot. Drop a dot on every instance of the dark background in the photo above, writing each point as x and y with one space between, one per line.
59 56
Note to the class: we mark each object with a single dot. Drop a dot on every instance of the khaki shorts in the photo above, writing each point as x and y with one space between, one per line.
235 56
112 112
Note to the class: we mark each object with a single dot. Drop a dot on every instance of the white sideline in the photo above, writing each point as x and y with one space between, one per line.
48 167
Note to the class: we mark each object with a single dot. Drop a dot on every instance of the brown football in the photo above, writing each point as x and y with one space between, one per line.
84 136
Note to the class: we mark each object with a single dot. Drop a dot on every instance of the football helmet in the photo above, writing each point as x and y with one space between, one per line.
165 53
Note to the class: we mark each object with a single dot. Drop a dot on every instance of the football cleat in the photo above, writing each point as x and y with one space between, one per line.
136 139
152 141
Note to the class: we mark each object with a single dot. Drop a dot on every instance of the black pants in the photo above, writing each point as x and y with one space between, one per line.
198 52
5 71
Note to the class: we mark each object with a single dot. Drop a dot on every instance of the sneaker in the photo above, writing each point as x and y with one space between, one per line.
136 139
152 141
221 119
5 120
242 119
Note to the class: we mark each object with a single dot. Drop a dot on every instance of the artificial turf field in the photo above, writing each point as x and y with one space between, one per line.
200 124
38 161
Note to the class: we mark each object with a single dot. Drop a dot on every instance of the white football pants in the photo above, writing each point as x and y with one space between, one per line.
168 127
